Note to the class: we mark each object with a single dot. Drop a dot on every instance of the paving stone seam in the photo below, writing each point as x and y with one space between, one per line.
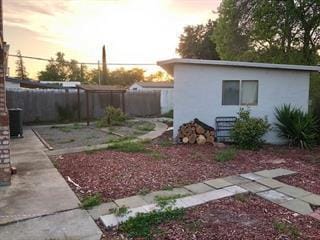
32 216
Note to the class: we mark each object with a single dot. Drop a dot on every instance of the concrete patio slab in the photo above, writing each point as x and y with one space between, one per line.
298 206
274 196
150 197
38 188
39 203
131 202
273 173
75 224
102 209
198 188
254 187
293 191
218 183
313 199
271 183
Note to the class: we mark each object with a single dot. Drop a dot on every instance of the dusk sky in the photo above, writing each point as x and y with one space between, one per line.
133 31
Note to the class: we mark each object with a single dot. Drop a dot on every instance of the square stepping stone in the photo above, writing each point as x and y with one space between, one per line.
150 197
254 187
294 191
236 180
313 199
131 202
214 195
274 196
191 201
198 188
218 183
271 183
298 206
251 176
109 220
103 209
235 190
273 173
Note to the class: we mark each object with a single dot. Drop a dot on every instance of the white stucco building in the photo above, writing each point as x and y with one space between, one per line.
206 89
165 88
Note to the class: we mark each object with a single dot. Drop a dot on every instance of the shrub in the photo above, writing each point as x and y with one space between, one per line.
168 114
248 131
67 113
298 127
226 155
113 117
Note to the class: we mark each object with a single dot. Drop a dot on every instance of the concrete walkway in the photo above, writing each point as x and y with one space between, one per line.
260 183
39 203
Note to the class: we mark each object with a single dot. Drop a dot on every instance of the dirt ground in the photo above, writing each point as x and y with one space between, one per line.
76 135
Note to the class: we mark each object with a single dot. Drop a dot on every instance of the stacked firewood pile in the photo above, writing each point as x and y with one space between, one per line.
196 132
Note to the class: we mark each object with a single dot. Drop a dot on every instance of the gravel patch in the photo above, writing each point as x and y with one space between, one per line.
69 136
117 174
76 135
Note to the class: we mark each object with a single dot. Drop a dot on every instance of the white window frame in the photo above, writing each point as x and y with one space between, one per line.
240 93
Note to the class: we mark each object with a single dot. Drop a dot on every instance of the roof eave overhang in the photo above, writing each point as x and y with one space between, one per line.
168 65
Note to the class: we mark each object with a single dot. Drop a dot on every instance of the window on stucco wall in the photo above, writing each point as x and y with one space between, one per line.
236 92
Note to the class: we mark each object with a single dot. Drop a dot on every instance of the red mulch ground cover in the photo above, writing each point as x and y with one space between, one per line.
117 174
245 218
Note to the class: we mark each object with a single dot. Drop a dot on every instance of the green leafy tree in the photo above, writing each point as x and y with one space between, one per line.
59 69
232 41
159 76
196 42
20 67
125 77
277 31
120 76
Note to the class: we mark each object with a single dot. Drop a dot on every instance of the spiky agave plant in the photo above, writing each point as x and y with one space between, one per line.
297 126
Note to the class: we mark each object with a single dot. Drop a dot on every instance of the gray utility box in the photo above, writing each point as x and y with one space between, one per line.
15 122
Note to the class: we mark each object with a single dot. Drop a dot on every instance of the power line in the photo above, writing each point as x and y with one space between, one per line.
86 63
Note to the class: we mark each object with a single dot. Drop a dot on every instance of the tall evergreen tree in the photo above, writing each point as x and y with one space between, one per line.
21 71
104 66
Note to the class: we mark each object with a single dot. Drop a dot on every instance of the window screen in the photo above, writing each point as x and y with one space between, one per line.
230 92
249 92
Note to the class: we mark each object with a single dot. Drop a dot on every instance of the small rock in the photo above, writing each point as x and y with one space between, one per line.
278 161
219 145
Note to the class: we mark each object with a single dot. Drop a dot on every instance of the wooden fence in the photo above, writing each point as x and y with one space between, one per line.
50 105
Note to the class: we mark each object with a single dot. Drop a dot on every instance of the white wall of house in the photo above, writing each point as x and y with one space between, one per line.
166 100
198 93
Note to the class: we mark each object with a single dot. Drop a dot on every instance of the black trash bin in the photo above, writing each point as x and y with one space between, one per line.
15 122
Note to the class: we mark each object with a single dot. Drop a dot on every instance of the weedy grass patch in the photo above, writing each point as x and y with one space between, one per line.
226 155
91 201
129 147
142 224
